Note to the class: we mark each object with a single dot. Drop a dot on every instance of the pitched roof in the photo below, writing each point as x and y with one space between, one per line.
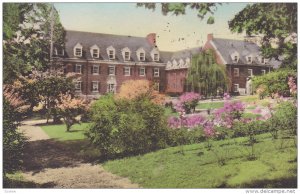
103 41
227 47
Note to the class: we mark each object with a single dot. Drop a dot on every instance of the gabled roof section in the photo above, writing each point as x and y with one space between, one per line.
226 47
103 41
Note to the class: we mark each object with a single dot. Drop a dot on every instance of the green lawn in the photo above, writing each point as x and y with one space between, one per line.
59 131
275 166
210 105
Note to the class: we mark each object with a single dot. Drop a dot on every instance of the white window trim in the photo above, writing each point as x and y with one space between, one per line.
78 89
238 86
95 82
263 72
138 53
98 66
109 49
98 53
156 73
155 59
78 46
109 88
251 59
144 71
125 58
109 70
127 71
251 73
238 72
142 58
78 65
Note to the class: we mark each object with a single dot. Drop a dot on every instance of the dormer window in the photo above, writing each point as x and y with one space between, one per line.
155 54
155 57
235 59
140 53
59 52
249 59
263 60
78 50
142 57
126 54
111 53
95 53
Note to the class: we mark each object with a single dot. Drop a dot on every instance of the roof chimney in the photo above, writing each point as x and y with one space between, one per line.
210 37
151 38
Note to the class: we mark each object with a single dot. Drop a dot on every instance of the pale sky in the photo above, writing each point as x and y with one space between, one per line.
173 32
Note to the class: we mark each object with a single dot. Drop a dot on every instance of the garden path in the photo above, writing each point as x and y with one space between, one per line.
61 165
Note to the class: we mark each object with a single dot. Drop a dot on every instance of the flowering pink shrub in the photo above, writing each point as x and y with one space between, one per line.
209 130
187 102
226 96
189 121
230 112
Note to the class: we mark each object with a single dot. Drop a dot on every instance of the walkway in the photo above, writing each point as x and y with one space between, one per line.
61 164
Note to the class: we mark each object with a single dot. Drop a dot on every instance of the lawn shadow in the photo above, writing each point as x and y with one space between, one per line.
10 183
51 153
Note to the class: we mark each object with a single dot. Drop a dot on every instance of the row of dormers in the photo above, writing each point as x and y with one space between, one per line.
235 57
178 64
111 53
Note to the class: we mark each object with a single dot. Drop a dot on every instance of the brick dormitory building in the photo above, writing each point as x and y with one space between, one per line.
105 61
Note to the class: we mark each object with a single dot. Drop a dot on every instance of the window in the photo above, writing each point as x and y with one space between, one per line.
249 59
250 72
235 59
155 57
127 56
263 60
127 71
142 71
111 54
263 72
95 69
142 56
236 72
156 72
111 70
95 86
78 86
78 52
111 88
236 87
78 69
95 53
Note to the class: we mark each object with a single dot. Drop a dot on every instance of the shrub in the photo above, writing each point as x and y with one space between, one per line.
183 136
187 102
127 127
274 82
13 141
284 119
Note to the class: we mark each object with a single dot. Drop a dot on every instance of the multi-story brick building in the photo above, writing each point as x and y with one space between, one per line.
105 61
177 64
242 59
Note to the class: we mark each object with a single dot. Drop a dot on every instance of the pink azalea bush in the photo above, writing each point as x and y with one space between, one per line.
188 121
231 111
187 102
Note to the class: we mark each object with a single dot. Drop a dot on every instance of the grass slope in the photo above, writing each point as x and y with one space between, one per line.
275 166
59 131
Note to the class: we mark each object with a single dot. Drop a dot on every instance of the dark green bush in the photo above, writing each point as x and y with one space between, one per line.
182 136
13 141
127 127
284 120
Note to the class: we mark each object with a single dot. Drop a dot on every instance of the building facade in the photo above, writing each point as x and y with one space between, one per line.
104 61
242 59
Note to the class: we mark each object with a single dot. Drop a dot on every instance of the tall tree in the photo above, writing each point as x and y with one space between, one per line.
205 75
203 9
276 23
26 38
